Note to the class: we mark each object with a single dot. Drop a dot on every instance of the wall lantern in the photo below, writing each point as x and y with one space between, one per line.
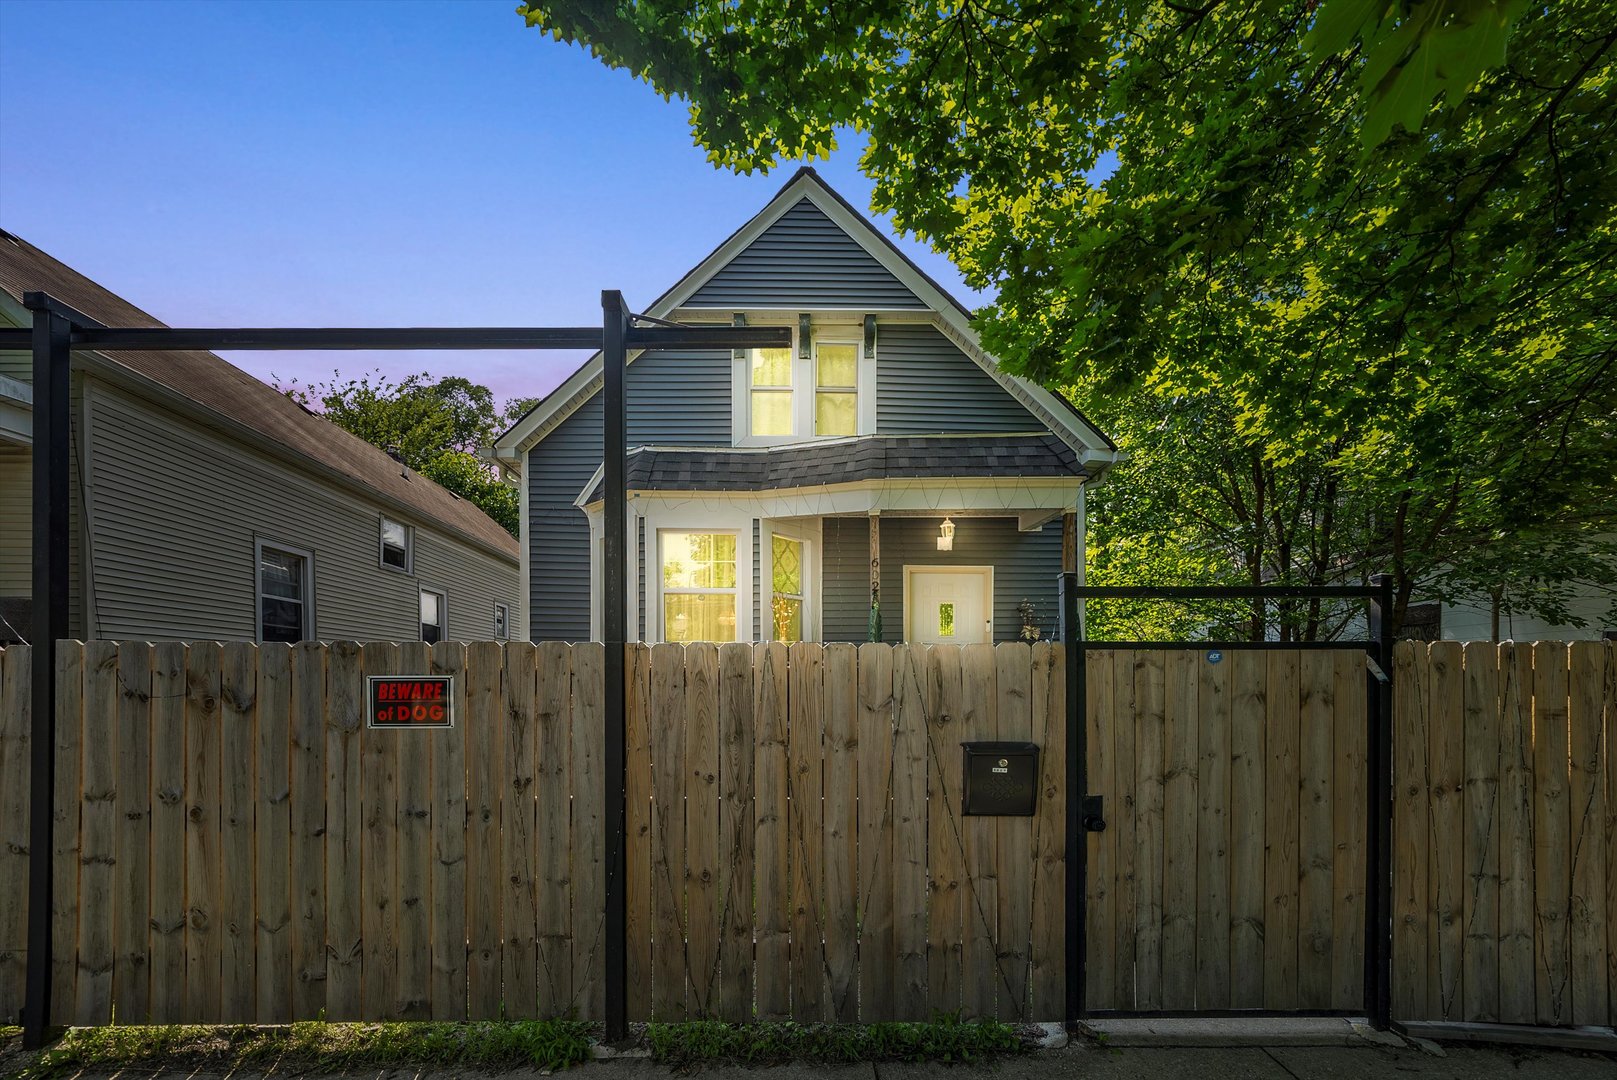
946 535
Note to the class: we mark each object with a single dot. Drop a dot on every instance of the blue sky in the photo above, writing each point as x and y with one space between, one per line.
357 162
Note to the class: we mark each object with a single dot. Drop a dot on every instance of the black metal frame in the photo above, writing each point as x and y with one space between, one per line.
1378 751
58 329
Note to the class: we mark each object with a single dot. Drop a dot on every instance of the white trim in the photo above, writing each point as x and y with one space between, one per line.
933 496
912 569
261 542
524 558
955 324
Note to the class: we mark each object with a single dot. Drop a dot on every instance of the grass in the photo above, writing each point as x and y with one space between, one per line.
710 1042
322 1047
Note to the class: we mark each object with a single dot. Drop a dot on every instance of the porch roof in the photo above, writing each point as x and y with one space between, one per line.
868 457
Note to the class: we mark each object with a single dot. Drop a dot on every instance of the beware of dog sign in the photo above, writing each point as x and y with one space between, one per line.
411 701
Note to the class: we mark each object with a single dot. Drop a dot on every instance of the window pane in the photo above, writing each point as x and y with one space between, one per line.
788 619
771 367
280 574
395 544
837 365
699 560
771 412
283 620
699 617
835 413
788 566
945 620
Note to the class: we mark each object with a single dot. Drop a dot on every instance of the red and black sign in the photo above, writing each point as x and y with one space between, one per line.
412 701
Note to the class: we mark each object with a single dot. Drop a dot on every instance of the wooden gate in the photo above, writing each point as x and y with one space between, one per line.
1231 874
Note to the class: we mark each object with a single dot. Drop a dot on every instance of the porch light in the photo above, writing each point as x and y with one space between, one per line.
946 535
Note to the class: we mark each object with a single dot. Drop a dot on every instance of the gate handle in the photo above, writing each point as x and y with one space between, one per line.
1091 814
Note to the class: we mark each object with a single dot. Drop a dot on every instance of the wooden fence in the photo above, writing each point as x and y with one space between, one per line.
234 844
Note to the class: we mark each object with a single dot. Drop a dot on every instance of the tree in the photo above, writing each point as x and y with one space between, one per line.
434 427
1399 314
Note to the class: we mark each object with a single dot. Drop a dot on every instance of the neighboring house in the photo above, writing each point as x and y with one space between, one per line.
208 505
769 487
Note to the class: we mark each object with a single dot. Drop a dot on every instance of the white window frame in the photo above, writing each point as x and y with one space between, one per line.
804 389
502 613
259 544
742 587
381 545
443 612
809 534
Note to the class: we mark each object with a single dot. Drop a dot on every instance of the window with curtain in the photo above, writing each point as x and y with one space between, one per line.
771 383
836 388
787 603
699 586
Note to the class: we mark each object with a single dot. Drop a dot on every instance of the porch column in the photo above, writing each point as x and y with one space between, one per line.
1069 542
875 630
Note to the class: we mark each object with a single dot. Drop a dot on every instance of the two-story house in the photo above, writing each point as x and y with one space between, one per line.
883 466
206 504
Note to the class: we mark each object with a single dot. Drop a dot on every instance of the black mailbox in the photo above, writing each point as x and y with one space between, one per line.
1001 778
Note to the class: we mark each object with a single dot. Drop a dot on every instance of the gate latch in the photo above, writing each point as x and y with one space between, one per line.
1092 814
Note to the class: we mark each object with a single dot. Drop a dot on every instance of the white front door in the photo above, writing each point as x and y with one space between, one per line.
948 605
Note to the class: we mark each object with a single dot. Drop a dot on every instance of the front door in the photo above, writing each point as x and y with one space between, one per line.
948 605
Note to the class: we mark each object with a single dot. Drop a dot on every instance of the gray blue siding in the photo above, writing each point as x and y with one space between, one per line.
1025 566
804 260
925 386
672 400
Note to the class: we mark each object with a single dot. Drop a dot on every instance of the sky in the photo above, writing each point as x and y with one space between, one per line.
359 163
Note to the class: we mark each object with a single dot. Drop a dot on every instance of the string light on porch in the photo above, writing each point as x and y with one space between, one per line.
946 535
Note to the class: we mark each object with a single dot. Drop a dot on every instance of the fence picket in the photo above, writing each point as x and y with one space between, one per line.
1517 1004
345 935
1350 796
841 831
519 963
946 870
589 830
308 824
668 956
1122 813
805 700
1445 772
1480 941
168 832
66 840
1047 943
1150 720
1014 839
637 825
1181 758
1552 834
1282 783
551 726
1213 836
272 837
1411 880
737 831
703 874
771 726
412 760
486 801
450 957
909 835
379 845
875 961
131 917
1316 865
1587 907
16 683
204 918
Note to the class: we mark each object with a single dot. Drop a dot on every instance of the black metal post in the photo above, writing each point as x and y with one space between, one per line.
52 368
1072 640
1378 908
614 356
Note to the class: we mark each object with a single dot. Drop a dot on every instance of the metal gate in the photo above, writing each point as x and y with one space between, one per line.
1235 819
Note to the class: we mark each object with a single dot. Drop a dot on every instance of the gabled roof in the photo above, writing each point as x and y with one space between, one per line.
221 388
952 317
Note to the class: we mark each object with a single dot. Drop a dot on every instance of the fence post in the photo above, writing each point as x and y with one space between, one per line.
1072 638
1378 906
52 370
614 329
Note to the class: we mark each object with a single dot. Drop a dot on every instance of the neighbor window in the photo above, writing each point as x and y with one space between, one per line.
699 586
787 603
283 595
836 388
502 622
772 392
396 545
432 616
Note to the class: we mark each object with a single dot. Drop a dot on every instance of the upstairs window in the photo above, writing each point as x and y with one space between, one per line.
836 388
396 545
772 392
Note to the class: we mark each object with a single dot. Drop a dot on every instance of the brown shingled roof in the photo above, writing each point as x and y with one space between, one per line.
220 386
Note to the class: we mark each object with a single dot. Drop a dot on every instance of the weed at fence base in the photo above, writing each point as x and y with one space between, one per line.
323 1047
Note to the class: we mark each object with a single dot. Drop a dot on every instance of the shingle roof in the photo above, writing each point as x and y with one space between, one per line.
871 457
215 383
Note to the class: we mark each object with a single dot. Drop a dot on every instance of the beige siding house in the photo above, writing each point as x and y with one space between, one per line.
208 505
